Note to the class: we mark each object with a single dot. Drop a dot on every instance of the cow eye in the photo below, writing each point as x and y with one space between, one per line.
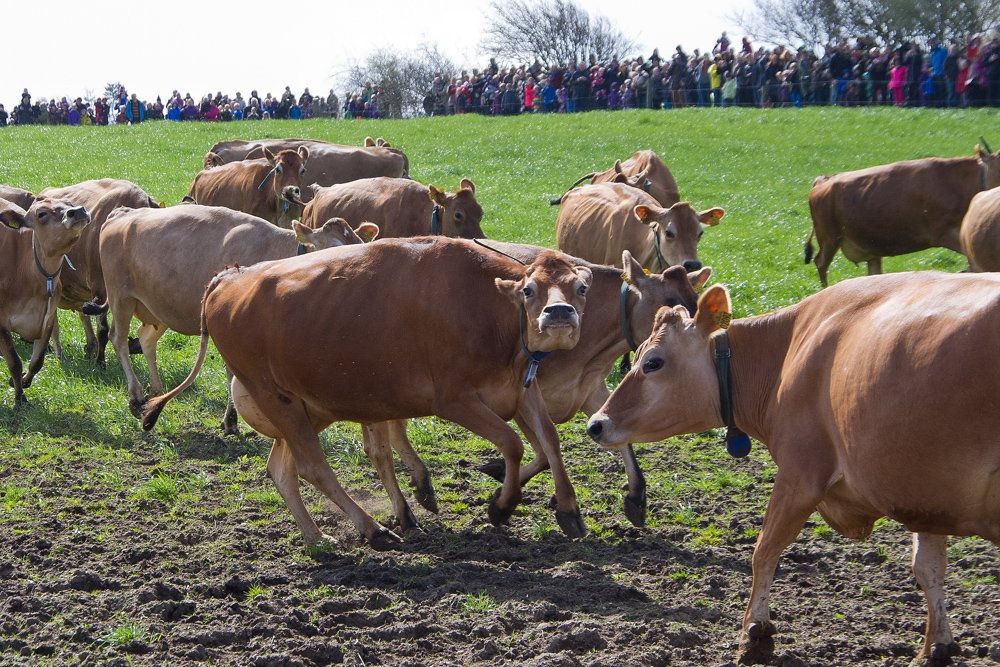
669 233
459 216
528 292
652 365
42 214
302 171
582 290
278 170
701 233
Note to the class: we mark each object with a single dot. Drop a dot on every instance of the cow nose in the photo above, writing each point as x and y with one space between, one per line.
559 311
691 265
595 429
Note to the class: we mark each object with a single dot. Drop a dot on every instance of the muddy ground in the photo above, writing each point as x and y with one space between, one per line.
97 569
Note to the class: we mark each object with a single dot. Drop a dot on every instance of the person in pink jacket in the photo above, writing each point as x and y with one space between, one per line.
897 79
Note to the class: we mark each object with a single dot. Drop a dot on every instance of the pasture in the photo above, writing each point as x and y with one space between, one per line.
172 547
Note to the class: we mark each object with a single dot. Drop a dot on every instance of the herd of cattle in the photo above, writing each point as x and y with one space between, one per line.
861 392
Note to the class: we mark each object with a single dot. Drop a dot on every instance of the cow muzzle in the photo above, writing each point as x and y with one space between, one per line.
558 315
293 194
76 217
601 430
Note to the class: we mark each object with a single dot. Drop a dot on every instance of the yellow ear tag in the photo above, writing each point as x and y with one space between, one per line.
722 319
430 194
646 271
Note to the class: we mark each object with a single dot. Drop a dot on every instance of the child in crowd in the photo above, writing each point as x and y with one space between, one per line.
561 98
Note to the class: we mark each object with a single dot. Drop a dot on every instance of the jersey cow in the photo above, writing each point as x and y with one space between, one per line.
400 207
157 263
621 307
329 164
599 222
644 170
463 350
22 198
85 284
269 187
33 247
980 232
895 209
862 395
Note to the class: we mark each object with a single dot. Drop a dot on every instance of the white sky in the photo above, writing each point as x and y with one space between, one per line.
57 48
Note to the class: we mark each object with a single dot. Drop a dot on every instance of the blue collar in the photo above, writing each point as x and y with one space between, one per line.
533 357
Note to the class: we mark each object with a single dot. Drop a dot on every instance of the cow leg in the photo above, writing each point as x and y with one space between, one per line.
875 266
38 348
283 472
788 509
476 416
930 563
102 339
420 478
56 343
13 367
148 335
121 319
824 257
230 421
376 443
90 348
533 415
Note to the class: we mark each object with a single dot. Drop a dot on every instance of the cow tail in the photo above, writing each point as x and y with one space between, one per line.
154 406
809 245
558 200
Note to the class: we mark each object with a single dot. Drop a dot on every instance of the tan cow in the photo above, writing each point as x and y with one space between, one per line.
157 263
458 351
644 170
599 222
85 285
33 258
872 398
980 231
22 198
895 209
329 164
400 207
621 307
269 188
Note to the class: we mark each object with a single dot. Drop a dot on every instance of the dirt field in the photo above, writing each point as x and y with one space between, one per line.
96 570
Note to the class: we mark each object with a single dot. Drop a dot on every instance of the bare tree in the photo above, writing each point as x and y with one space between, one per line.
402 80
793 22
552 31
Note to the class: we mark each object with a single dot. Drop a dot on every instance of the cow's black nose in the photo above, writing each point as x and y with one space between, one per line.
692 265
559 311
595 429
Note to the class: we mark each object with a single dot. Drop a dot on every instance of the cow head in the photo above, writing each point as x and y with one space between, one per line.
552 294
459 213
56 224
989 163
673 387
676 232
673 287
287 169
336 232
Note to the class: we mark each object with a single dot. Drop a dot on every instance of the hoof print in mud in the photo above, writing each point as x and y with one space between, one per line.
571 523
386 540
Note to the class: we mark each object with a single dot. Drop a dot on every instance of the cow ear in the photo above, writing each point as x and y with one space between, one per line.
303 153
714 310
618 166
642 213
315 187
466 184
711 217
382 143
12 215
700 277
269 156
368 231
511 289
436 195
302 233
369 142
585 274
633 269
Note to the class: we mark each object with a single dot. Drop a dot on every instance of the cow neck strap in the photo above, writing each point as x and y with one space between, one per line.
626 363
50 279
656 246
647 185
982 177
533 357
267 179
301 249
435 225
737 442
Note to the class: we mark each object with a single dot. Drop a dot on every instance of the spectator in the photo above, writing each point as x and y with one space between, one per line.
3 116
174 111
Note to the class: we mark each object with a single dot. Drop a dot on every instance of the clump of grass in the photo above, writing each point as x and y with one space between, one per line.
163 487
478 602
125 633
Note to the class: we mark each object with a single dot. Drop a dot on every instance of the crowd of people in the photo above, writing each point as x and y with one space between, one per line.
955 75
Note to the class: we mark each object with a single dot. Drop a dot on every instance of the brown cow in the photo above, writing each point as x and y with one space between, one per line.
22 198
85 285
863 395
644 170
30 282
980 232
896 208
599 222
570 380
458 351
157 263
329 164
269 188
400 207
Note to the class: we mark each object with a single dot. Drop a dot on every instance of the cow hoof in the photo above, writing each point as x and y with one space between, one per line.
635 509
135 407
571 522
940 655
90 350
426 498
759 630
134 346
756 651
20 402
386 540
499 516
496 469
